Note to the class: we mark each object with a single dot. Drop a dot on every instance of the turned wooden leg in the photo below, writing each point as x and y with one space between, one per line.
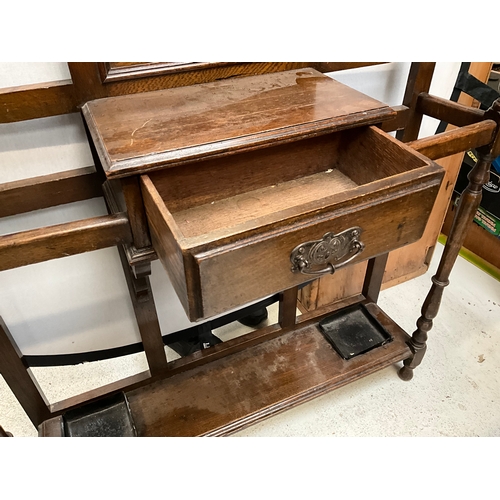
469 203
418 344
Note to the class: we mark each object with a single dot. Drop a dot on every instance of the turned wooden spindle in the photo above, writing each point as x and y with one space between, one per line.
468 205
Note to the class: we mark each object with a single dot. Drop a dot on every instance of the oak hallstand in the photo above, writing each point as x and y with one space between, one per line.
247 181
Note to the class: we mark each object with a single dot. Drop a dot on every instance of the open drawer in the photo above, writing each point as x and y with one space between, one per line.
234 229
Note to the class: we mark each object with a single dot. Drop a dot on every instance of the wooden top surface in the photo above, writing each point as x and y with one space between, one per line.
142 132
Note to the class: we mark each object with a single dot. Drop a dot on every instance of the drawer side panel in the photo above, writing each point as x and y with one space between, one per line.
165 239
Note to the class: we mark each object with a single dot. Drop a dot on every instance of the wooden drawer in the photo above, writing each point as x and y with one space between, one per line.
225 228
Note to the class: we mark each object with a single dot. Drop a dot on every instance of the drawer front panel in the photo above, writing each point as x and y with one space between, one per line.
232 276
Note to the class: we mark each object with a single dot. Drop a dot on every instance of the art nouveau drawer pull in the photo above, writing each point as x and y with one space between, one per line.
329 251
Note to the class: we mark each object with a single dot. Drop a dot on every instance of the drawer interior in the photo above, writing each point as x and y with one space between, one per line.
223 196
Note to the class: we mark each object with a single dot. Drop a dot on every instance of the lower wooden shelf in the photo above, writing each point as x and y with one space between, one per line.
224 396
232 392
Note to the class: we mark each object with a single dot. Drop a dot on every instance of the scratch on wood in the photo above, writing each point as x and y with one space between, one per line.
138 128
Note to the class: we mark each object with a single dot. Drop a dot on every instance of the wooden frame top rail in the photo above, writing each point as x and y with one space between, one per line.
92 80
113 72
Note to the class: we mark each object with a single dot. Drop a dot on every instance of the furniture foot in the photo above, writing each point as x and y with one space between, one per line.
4 433
405 373
418 342
418 350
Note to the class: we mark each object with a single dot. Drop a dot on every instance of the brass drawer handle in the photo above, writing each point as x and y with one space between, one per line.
330 250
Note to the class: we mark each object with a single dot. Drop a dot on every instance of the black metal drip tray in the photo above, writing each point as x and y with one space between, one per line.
354 331
109 417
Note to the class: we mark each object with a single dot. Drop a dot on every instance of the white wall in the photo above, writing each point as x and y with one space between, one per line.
81 303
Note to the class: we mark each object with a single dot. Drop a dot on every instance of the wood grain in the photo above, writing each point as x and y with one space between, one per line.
367 157
88 82
238 390
136 380
152 78
115 201
346 282
399 121
419 80
287 312
456 140
270 247
467 207
135 211
146 316
453 113
61 240
263 262
414 261
49 190
123 71
206 181
138 133
19 378
197 359
477 240
119 71
36 101
369 154
223 216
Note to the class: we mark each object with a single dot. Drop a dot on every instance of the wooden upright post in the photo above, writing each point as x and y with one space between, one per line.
20 380
469 203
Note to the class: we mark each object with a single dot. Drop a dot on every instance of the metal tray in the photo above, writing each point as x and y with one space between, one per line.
354 331
109 417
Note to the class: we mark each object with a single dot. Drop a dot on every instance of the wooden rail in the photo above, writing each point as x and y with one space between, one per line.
50 190
61 240
448 111
39 100
456 140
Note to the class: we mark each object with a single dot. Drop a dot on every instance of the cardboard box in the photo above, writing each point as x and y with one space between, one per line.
490 201
487 221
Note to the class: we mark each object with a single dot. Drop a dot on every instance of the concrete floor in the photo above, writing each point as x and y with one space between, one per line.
455 392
